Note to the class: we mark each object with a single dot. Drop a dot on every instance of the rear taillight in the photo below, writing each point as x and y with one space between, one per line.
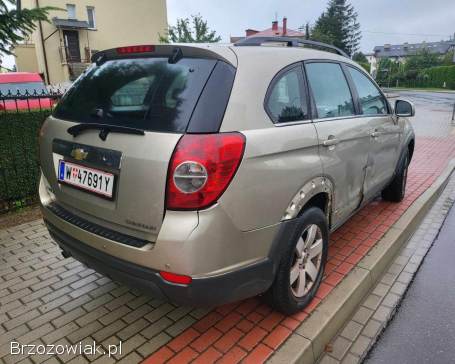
201 169
136 49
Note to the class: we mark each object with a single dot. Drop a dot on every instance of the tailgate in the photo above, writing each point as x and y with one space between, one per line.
130 113
139 166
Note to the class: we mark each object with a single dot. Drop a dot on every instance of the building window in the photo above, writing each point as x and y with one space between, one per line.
91 17
71 9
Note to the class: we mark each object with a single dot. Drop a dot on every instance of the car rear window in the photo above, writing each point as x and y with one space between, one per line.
145 93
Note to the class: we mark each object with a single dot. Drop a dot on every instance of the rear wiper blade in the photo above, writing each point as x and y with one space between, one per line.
104 129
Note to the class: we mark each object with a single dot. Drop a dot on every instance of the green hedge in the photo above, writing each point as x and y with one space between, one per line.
19 168
436 76
433 77
366 66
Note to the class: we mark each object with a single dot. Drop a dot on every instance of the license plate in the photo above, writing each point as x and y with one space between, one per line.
89 179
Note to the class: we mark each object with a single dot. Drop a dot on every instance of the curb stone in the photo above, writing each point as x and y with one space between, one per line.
401 273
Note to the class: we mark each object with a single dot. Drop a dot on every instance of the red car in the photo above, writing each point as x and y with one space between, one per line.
21 82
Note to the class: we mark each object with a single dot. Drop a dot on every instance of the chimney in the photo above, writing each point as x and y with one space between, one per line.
275 26
285 25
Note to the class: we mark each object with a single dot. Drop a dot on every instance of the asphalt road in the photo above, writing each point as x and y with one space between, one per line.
435 98
433 112
423 330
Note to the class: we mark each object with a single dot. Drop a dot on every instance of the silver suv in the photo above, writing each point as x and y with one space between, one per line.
206 174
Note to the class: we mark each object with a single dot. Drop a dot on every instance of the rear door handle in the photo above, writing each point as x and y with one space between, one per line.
330 142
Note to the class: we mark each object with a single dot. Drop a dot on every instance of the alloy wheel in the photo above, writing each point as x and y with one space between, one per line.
306 261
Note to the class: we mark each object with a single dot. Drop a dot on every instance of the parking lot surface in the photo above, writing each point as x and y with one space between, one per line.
45 299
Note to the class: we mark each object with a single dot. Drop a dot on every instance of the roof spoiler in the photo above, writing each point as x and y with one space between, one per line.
290 42
173 52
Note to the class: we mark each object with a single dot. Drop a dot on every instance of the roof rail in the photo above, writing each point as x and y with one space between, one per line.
290 42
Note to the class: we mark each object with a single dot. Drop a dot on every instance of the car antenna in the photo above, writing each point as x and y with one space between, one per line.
176 55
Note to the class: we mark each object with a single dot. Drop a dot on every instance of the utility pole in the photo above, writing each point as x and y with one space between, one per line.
40 26
390 75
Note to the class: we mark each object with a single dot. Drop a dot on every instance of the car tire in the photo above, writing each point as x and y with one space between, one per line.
299 274
395 191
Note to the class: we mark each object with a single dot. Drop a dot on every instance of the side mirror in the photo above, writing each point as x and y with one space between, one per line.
404 108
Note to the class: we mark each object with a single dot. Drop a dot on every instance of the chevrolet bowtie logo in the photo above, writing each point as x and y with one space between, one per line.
79 154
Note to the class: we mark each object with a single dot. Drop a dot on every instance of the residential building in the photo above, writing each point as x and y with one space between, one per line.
26 59
274 31
373 63
400 52
61 49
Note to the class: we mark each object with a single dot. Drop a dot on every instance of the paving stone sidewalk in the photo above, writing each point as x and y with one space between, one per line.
354 341
46 299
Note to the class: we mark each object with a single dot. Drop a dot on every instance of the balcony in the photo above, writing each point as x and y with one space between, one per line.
68 55
77 63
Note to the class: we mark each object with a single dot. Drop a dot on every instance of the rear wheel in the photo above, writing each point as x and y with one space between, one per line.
395 191
301 268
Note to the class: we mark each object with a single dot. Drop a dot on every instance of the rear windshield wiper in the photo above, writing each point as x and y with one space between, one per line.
104 129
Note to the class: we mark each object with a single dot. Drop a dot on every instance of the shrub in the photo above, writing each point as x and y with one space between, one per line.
19 165
436 76
366 66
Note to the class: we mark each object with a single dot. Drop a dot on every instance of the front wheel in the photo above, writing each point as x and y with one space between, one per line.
302 264
395 191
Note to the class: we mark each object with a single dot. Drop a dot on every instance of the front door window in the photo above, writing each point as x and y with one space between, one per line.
330 90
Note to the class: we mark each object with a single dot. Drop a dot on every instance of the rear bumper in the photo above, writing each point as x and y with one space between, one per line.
211 291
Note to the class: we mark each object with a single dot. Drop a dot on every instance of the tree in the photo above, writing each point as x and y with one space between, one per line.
338 25
387 71
422 59
359 57
17 24
449 58
182 32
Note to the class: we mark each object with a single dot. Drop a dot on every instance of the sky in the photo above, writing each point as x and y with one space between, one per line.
381 21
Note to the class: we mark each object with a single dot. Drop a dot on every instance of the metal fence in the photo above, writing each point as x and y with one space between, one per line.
29 100
21 117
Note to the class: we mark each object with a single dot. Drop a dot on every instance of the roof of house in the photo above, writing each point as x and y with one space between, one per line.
270 32
274 31
236 39
408 49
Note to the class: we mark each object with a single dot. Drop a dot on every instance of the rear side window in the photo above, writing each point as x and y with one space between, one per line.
371 99
330 90
145 93
286 101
